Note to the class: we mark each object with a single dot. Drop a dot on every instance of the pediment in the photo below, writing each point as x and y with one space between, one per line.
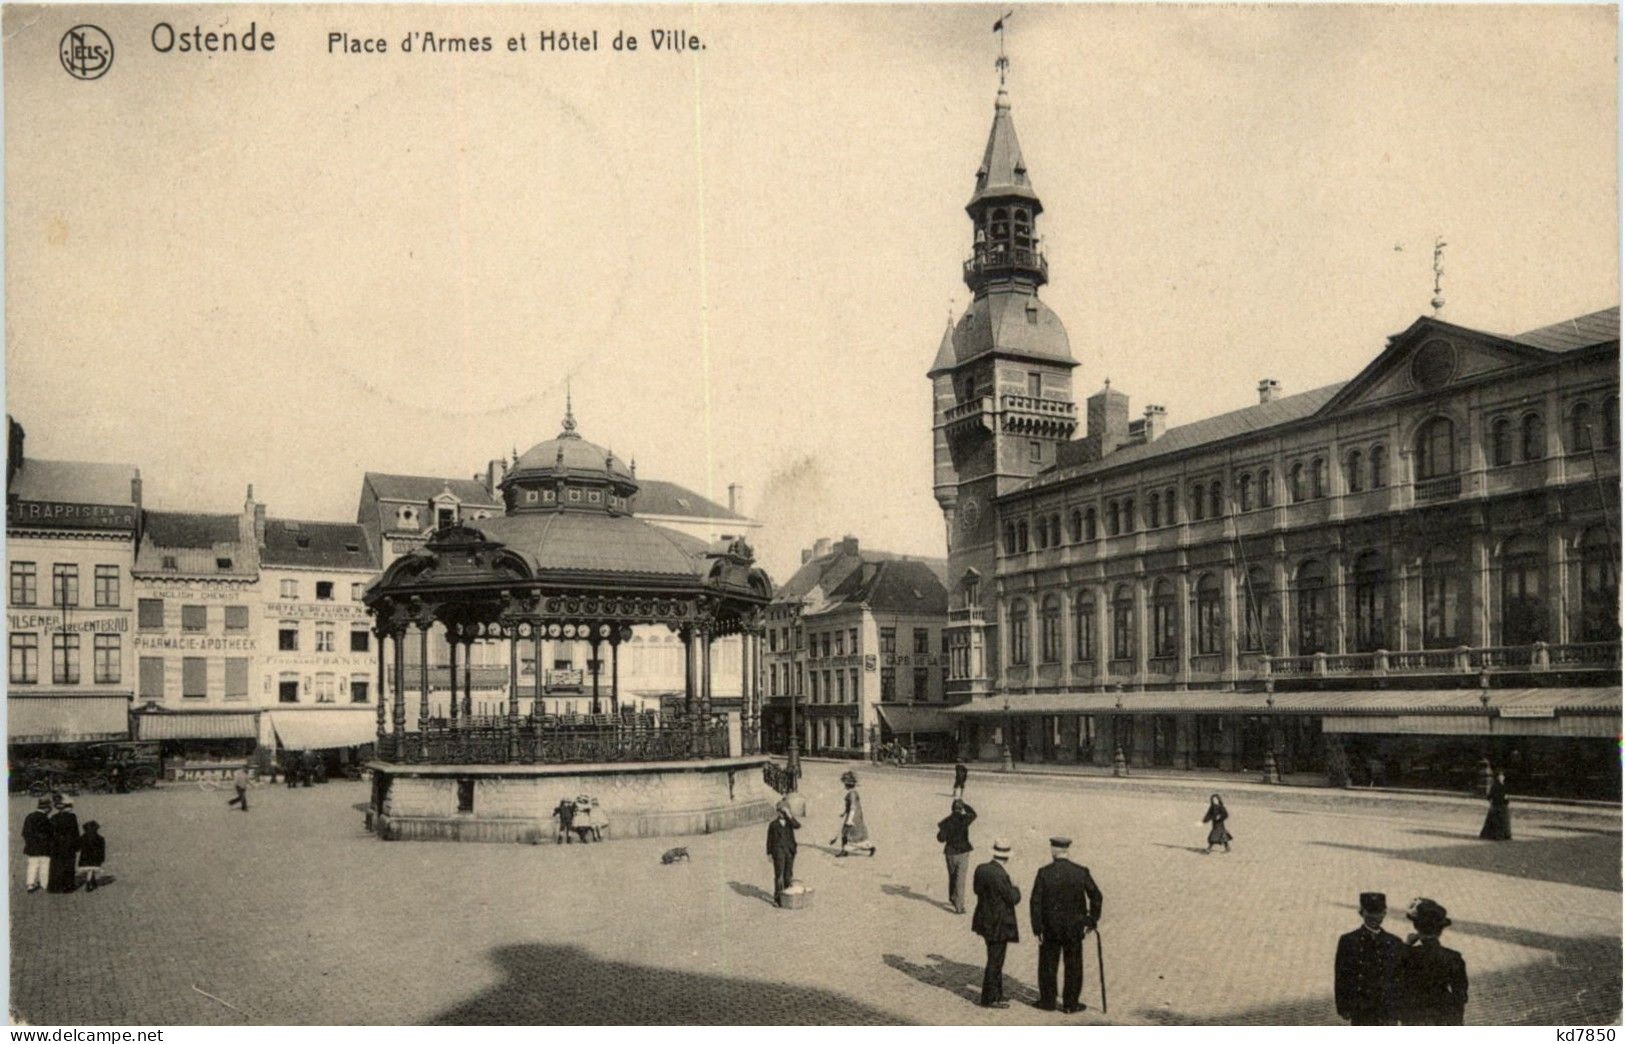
1431 356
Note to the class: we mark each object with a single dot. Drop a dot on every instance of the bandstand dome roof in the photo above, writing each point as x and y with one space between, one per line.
597 543
574 454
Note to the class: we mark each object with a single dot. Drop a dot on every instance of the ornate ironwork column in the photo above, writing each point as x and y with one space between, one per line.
513 692
536 701
383 690
451 674
592 650
468 678
687 635
744 690
615 670
423 679
400 689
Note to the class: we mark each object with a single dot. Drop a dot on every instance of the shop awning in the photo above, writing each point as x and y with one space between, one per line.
63 718
183 725
904 718
1503 703
325 729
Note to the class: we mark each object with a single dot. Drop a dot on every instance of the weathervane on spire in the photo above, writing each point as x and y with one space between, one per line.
1001 63
1438 273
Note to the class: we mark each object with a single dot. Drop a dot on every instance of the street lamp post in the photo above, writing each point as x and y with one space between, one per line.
792 760
1009 726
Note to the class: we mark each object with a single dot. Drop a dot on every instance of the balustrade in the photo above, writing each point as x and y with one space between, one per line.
486 741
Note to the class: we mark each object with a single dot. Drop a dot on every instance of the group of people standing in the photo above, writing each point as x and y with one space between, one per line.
1381 981
579 820
56 849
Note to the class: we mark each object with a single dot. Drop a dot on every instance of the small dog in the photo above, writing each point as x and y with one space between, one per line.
673 855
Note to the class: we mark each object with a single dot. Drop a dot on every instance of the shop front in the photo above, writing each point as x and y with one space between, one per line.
200 745
328 743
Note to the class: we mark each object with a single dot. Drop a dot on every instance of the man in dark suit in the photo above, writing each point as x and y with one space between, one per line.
1065 906
37 844
781 846
995 920
1367 959
1431 981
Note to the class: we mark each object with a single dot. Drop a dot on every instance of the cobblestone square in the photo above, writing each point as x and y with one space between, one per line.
292 913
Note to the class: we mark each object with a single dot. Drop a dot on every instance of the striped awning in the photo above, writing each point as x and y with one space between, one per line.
63 718
324 729
1508 703
904 718
184 725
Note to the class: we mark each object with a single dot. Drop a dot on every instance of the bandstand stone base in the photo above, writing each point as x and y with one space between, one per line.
515 803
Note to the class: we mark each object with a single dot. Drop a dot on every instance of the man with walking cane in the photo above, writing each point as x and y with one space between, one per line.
1065 906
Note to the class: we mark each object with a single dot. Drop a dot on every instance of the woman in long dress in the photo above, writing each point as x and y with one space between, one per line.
854 834
1217 834
1498 823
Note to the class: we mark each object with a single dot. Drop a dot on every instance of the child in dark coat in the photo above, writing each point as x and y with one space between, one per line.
92 854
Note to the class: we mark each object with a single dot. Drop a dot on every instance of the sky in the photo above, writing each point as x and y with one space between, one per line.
290 268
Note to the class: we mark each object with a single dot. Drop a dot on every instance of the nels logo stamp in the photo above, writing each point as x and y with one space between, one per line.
86 52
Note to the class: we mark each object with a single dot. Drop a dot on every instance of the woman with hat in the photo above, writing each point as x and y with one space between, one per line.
1217 834
64 848
1498 823
854 834
1431 983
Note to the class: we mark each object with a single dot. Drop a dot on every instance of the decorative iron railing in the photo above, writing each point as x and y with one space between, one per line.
1442 488
780 779
493 741
1541 656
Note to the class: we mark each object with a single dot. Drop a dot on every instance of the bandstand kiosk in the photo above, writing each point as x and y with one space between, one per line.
566 561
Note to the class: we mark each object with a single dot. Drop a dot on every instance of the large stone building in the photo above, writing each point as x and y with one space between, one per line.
854 639
1406 572
71 531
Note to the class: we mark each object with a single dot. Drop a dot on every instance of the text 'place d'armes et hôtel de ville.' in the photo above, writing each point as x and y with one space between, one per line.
169 39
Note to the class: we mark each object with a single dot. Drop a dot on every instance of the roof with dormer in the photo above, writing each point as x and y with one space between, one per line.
1011 322
1003 173
317 545
189 543
420 489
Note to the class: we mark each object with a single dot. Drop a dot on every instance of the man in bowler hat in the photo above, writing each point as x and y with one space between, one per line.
1065 906
1432 979
1367 960
995 920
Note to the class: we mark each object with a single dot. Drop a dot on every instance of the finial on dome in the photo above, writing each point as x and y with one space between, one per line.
569 425
634 466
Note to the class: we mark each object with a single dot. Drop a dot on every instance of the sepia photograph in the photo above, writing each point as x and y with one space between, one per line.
588 515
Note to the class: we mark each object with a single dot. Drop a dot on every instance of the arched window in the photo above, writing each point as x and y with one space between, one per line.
1083 626
1523 585
1155 507
1354 473
1112 527
1244 490
1170 501
1077 526
1266 489
1379 466
1055 530
1501 442
1024 230
1318 484
1294 483
1256 601
1209 617
1441 598
1164 624
1050 635
1009 538
1215 499
1313 605
1123 623
1128 515
1436 449
1370 603
1196 504
1580 427
1018 633
999 227
1534 437
1021 537
1089 527
1599 587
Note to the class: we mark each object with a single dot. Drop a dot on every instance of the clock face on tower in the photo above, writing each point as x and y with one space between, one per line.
970 513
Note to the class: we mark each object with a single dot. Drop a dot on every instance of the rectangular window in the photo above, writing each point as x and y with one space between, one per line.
325 688
840 643
324 639
290 589
24 583
287 636
840 687
152 678
1084 640
853 634
287 688
65 659
1035 385
1035 451
358 688
194 618
324 590
222 565
24 659
107 586
109 662
236 617
355 592
150 614
194 677
888 684
857 693
65 584
888 639
360 640
922 641
922 683
236 678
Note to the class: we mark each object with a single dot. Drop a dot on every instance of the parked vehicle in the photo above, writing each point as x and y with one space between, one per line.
118 765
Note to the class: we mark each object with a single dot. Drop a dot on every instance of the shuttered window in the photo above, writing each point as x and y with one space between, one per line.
236 678
194 677
152 677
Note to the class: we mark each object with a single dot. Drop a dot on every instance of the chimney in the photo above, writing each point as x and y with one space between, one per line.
247 530
733 497
135 488
848 545
821 547
493 477
1107 418
259 525
1267 388
1156 421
